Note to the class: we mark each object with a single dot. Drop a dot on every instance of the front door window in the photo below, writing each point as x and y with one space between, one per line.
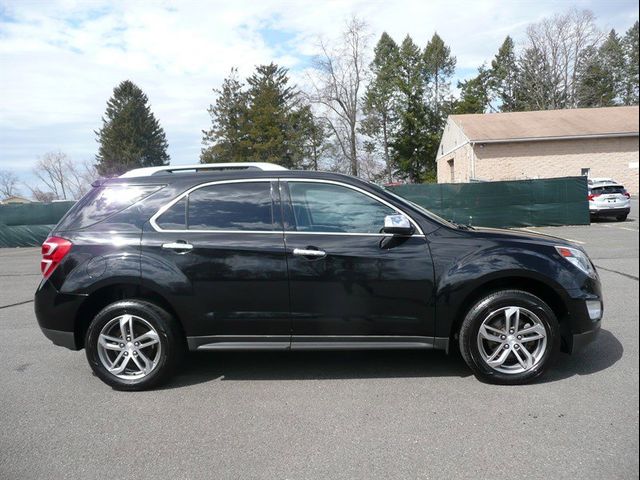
328 208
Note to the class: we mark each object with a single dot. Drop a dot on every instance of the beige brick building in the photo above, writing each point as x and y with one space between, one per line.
599 142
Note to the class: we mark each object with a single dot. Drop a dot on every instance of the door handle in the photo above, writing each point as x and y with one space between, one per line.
184 246
304 252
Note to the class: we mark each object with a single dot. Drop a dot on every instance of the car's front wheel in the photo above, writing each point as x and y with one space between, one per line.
133 345
509 337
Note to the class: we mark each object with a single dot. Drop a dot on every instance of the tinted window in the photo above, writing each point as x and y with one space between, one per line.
321 207
607 190
103 202
231 206
175 218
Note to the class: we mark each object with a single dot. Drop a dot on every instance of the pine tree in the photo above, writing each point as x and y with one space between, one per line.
601 77
131 136
504 76
271 133
412 145
380 97
313 135
630 79
535 88
438 67
265 123
474 93
225 141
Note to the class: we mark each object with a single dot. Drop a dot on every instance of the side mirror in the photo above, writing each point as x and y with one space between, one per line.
397 225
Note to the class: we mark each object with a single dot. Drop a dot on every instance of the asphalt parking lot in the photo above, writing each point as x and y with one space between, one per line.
390 414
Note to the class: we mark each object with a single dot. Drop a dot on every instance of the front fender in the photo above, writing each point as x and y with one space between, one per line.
466 276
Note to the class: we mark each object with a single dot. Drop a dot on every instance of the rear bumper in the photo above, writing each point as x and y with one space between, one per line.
56 314
609 212
60 338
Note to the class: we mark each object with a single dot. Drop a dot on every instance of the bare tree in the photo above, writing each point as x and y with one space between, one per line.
8 183
371 167
81 176
554 51
42 196
63 179
341 72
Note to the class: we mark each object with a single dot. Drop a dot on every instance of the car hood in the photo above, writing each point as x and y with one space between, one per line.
525 236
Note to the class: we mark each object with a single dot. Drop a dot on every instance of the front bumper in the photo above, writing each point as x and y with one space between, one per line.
581 340
580 328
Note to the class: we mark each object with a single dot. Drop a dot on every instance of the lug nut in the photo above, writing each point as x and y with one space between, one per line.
126 354
516 346
519 337
503 337
135 353
506 347
511 331
137 344
128 339
122 345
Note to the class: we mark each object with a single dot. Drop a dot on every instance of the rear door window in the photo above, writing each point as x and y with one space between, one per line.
175 218
231 206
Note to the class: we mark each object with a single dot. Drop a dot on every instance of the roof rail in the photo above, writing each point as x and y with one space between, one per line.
201 167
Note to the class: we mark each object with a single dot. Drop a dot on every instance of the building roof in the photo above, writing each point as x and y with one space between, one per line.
549 124
15 199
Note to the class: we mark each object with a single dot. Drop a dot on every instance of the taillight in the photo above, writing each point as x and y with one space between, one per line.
54 250
626 194
592 196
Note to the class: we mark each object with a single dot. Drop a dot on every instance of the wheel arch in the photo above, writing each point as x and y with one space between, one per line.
535 287
108 294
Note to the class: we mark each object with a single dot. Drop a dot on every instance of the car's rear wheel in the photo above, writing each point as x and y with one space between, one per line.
622 218
509 337
133 345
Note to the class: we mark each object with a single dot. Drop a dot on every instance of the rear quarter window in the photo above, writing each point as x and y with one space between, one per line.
103 202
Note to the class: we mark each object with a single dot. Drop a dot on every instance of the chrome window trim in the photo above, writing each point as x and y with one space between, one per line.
167 206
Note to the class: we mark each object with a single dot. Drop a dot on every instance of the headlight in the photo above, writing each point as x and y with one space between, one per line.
577 258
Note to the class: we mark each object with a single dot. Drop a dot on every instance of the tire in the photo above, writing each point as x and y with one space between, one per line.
525 356
622 218
147 363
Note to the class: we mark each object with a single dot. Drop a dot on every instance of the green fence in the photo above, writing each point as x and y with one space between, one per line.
521 203
27 224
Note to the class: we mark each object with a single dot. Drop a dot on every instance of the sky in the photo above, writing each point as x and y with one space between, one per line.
61 59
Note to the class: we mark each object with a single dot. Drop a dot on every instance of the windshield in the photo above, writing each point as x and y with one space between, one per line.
427 213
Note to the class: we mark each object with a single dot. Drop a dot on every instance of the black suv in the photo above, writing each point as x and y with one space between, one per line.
252 256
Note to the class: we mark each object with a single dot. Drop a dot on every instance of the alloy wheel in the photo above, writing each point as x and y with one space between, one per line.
129 347
512 340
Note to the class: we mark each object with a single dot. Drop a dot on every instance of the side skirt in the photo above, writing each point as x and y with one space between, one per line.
315 342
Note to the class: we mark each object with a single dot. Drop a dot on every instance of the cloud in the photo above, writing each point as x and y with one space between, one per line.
59 60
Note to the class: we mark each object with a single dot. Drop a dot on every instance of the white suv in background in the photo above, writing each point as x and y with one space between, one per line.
607 198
